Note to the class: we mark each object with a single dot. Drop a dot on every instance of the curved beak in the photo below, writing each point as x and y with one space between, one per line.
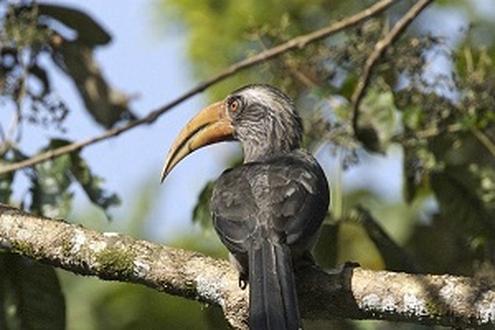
210 125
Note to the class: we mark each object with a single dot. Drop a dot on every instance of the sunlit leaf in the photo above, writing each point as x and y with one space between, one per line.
378 120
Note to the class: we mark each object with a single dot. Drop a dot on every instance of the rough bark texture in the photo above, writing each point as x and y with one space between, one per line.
350 292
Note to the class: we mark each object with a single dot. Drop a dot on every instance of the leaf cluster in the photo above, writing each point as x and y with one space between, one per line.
68 37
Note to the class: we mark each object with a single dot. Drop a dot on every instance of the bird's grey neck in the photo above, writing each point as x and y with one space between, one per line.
256 150
269 128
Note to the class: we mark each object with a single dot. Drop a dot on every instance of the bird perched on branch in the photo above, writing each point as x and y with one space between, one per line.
267 211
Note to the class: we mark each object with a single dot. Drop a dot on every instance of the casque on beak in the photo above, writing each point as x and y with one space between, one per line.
210 125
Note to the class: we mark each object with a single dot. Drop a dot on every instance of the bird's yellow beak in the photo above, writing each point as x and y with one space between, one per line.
210 125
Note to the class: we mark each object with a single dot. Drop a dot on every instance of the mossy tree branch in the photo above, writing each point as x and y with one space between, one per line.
347 293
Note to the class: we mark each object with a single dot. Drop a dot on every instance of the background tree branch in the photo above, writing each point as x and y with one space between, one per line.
292 44
380 47
347 293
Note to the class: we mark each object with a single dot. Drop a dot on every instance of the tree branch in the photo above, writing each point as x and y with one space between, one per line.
295 43
350 292
377 53
394 256
484 140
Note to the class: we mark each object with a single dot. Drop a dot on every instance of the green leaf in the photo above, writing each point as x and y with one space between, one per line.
368 136
36 299
455 189
417 163
105 104
201 212
89 31
5 187
413 117
348 86
52 179
394 256
326 249
92 185
50 184
42 76
378 118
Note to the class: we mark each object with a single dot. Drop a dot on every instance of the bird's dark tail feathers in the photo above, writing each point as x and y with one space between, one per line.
272 293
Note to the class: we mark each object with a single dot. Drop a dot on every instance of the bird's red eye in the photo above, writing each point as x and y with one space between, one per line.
234 105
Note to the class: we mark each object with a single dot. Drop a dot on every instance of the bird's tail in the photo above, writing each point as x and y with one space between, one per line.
272 293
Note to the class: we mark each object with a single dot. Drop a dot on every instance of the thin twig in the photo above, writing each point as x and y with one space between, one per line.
484 140
299 75
295 43
395 257
14 131
379 50
305 80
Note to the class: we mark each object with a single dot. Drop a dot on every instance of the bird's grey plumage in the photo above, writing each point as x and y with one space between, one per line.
268 211
286 194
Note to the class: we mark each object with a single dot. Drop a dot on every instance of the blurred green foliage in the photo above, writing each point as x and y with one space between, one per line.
33 298
442 120
442 124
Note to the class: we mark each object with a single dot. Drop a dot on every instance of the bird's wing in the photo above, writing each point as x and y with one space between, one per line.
288 194
299 196
233 208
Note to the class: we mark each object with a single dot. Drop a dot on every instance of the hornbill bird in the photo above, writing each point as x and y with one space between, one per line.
268 211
